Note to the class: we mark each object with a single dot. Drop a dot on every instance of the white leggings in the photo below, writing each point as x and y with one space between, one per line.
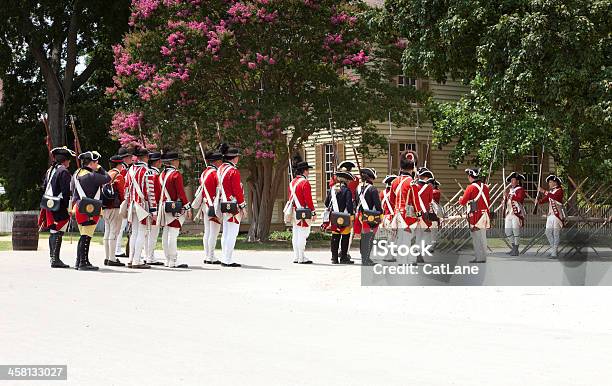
479 240
138 240
228 240
152 236
169 244
512 228
211 232
112 227
553 233
299 237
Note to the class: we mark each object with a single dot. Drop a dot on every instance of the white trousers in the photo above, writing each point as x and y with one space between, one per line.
119 246
152 235
479 241
513 228
298 239
169 244
404 238
553 233
112 227
211 232
138 239
421 236
228 240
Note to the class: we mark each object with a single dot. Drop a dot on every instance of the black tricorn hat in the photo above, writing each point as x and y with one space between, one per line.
516 175
64 151
140 152
473 172
368 172
232 152
213 156
117 159
424 172
555 178
347 175
388 180
434 182
155 156
347 165
302 165
125 152
170 156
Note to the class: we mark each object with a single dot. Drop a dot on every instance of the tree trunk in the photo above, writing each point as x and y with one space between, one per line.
55 110
265 181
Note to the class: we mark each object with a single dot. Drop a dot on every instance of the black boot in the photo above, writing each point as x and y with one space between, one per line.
55 245
365 248
344 245
335 245
84 264
79 258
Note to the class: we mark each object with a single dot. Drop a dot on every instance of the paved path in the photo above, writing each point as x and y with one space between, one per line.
274 322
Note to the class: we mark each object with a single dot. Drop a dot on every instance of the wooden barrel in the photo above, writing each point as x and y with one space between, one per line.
25 232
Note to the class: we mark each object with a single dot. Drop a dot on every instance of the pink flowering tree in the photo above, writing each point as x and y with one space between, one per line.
260 75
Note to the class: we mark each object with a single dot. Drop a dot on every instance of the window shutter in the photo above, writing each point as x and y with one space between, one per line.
340 151
319 172
424 154
394 157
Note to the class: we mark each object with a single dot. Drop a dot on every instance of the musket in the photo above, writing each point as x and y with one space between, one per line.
389 148
331 131
77 143
197 131
142 138
535 200
504 182
45 122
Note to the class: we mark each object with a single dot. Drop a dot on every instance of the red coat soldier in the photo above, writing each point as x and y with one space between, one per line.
477 195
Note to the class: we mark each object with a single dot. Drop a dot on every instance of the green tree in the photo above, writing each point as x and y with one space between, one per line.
539 72
267 72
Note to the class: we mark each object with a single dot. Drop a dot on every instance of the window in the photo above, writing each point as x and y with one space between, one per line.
407 146
531 168
329 162
404 81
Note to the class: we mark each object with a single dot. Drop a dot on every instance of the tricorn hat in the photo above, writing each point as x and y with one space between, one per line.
302 165
347 175
555 178
473 172
140 152
516 175
346 165
369 172
64 151
155 156
388 180
170 156
424 172
90 155
125 152
213 156
435 183
116 159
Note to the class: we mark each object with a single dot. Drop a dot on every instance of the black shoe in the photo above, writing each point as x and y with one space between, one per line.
231 265
113 263
306 262
295 262
139 266
216 262
155 263
368 263
347 262
57 263
207 261
121 255
180 266
87 267
335 262
477 261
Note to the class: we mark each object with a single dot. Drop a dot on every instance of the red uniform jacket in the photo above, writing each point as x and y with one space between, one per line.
385 199
553 197
514 199
303 193
352 185
153 190
401 193
175 190
136 176
118 184
232 186
436 195
471 192
421 202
